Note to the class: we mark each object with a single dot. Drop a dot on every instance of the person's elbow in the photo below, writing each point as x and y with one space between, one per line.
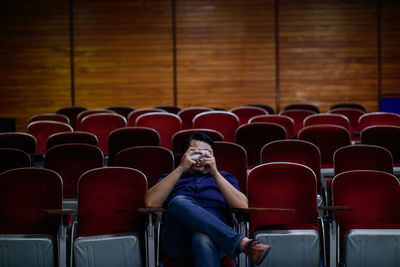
151 203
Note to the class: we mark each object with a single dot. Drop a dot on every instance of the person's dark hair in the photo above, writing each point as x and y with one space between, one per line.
199 137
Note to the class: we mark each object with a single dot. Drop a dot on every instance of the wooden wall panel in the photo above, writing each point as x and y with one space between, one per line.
34 58
123 53
328 52
225 52
390 39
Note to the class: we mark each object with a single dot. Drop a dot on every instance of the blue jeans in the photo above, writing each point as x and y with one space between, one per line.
192 232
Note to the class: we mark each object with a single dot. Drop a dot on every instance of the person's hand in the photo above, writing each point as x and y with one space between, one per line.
187 159
208 161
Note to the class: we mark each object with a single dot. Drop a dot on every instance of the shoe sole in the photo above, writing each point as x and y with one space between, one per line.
263 256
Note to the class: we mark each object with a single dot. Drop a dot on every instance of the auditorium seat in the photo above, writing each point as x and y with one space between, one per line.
153 161
49 117
170 109
187 115
296 151
353 115
369 230
72 113
180 137
298 116
137 112
252 137
11 158
71 137
302 106
378 118
266 107
121 110
285 121
166 124
245 113
328 138
126 137
348 105
85 113
101 125
327 118
294 236
41 130
23 141
386 136
71 161
232 158
29 234
362 157
109 230
222 121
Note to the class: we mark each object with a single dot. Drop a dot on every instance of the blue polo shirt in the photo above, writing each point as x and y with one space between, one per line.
203 189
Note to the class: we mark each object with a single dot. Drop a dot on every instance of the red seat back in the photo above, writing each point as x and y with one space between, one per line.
222 121
11 158
282 185
327 118
108 199
378 118
71 137
352 114
298 116
72 113
137 112
245 113
25 194
188 114
285 121
23 141
49 117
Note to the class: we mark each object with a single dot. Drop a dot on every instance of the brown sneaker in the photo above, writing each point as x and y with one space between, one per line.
256 251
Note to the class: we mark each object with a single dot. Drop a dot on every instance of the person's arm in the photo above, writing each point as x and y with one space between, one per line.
156 195
233 197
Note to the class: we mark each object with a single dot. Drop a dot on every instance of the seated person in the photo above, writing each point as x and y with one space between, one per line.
197 198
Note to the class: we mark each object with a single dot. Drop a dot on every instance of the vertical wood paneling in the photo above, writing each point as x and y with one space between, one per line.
328 52
225 52
34 59
123 53
390 45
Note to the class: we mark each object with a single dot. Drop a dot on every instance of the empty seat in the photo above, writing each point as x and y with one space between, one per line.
187 115
153 161
170 109
11 158
266 107
222 121
378 118
298 116
252 137
245 113
328 138
302 106
353 115
41 130
23 141
29 235
362 157
285 121
72 113
85 113
289 186
126 137
121 110
110 230
49 117
137 112
71 137
101 125
166 124
71 161
348 105
370 229
384 136
327 118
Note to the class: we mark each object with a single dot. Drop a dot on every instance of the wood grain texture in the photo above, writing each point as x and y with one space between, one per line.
328 52
34 58
225 53
123 53
390 39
